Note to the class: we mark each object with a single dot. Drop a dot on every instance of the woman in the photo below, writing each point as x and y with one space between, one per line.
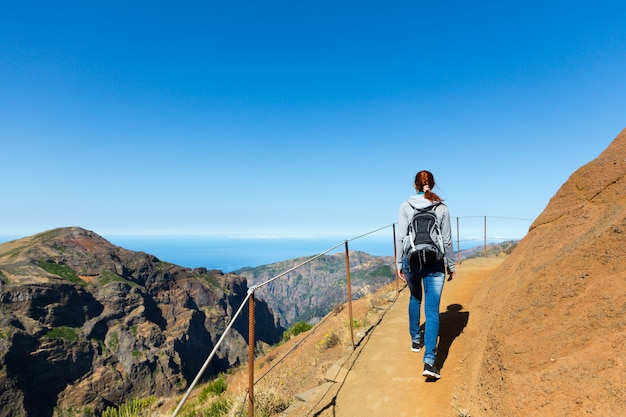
431 276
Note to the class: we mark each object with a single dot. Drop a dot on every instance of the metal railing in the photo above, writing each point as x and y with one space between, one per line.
250 299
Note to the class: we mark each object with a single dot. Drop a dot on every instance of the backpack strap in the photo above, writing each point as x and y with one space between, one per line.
431 207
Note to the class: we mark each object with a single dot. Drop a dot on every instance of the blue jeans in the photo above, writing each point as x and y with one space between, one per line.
431 277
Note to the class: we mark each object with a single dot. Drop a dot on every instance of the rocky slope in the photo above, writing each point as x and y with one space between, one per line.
85 324
310 291
555 310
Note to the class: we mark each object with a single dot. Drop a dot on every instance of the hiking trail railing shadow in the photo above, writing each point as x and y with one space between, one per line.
452 322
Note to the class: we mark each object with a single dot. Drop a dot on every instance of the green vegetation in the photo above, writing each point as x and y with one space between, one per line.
114 341
372 275
62 271
216 388
295 329
131 408
107 277
210 402
356 323
218 407
64 333
210 280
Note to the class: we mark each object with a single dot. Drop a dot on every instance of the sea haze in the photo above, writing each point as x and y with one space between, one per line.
232 253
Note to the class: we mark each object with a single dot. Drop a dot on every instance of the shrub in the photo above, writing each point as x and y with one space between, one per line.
131 408
269 403
356 323
218 407
62 332
329 340
295 329
216 388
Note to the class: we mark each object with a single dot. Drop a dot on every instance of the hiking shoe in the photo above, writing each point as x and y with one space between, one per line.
416 346
431 372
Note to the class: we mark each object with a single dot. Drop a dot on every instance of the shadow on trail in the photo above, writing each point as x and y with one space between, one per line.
451 325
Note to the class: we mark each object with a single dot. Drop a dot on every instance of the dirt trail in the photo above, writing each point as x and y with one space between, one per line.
385 376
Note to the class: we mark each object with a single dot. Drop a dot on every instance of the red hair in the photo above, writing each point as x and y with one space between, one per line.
425 182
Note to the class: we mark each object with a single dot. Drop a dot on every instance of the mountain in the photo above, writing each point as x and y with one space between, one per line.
491 249
85 324
554 312
310 291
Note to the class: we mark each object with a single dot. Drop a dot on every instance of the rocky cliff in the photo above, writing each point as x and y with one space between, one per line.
310 291
85 324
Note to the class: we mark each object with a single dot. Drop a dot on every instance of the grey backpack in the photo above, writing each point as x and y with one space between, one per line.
423 242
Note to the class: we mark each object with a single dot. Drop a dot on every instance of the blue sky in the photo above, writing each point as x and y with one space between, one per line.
297 118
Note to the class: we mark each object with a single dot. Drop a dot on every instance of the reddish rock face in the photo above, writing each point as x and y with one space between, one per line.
558 303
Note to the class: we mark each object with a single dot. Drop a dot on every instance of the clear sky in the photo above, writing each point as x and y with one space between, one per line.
297 117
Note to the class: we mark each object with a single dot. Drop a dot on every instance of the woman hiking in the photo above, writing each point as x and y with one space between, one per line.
425 274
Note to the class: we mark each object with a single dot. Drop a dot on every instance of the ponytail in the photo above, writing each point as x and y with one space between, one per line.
424 182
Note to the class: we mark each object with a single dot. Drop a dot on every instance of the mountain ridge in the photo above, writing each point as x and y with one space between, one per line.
86 324
309 292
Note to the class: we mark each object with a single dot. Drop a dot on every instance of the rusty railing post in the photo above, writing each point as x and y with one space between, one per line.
458 242
485 234
395 260
251 357
349 293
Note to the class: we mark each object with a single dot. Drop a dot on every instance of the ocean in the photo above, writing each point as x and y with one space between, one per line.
232 253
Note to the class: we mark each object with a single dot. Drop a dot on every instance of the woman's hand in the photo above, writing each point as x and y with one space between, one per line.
401 275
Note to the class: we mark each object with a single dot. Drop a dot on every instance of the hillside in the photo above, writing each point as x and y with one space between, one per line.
553 316
309 292
85 324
